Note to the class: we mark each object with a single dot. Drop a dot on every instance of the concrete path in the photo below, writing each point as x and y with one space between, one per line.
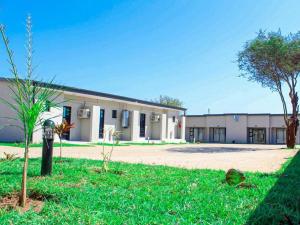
263 158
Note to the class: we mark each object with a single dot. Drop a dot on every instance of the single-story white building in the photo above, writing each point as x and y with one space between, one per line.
96 115
237 128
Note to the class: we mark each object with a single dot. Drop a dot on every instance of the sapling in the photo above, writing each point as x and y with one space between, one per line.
29 100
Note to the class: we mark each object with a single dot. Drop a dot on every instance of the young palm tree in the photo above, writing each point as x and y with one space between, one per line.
60 130
29 99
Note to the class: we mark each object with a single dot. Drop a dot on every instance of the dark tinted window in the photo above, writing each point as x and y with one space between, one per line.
114 114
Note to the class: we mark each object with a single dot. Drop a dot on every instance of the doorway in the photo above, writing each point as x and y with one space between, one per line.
101 123
257 135
280 135
67 110
217 135
142 125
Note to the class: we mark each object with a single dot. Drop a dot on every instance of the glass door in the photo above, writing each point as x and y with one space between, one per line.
67 110
200 134
101 123
217 135
280 136
257 135
142 124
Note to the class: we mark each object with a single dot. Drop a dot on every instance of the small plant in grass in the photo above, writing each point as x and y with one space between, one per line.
116 137
237 178
60 130
234 177
29 100
9 157
107 154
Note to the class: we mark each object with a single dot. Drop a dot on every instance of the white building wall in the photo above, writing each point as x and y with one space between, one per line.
55 114
9 130
236 129
215 121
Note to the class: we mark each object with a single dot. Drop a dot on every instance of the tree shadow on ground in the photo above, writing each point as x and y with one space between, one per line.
212 149
282 204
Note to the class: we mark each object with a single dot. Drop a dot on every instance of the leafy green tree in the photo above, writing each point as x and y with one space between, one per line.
29 99
167 100
273 60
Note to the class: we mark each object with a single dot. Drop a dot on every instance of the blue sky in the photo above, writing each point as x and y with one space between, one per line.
185 49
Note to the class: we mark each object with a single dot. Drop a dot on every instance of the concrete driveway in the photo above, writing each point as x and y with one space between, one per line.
263 158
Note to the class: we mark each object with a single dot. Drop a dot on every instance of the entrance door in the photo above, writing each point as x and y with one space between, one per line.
67 118
200 134
142 124
101 123
257 135
217 135
191 134
280 136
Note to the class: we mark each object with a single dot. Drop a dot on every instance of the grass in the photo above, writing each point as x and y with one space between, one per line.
110 144
152 195
39 145
141 143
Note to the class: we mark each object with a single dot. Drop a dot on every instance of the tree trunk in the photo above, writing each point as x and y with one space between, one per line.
60 153
23 194
291 132
292 121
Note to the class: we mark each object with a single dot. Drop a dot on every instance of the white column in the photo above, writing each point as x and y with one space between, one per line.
94 123
182 130
163 127
135 126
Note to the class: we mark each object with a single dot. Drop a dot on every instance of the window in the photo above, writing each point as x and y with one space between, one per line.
174 119
114 114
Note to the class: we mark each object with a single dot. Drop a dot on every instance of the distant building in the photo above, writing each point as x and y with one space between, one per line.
237 128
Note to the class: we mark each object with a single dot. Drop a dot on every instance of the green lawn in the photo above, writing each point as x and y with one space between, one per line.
153 195
38 145
141 143
21 145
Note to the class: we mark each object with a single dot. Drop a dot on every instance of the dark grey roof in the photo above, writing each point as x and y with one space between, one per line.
101 94
240 114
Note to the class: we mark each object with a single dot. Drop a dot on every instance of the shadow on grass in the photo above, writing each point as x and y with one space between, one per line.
282 204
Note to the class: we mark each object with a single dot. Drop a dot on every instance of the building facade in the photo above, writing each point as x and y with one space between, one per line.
237 128
97 115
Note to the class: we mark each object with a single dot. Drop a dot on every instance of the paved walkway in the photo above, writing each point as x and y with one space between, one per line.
263 158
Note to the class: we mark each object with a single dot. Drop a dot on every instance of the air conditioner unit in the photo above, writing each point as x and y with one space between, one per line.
155 117
84 113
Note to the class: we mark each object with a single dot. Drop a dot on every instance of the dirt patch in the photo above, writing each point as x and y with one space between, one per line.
11 202
35 201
